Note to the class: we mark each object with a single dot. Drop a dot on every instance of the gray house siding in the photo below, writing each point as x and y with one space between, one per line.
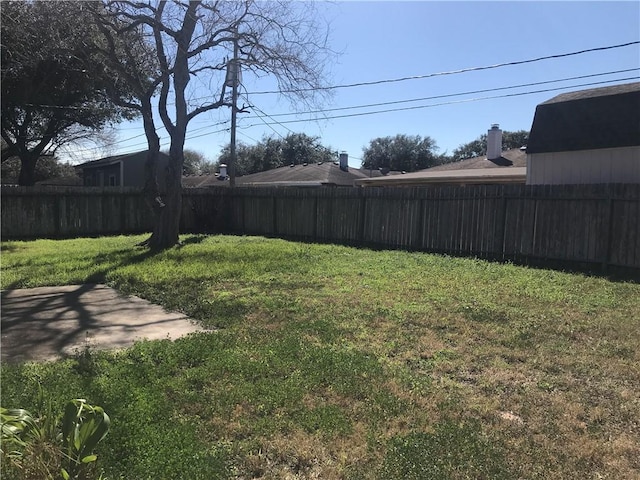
586 137
121 170
104 176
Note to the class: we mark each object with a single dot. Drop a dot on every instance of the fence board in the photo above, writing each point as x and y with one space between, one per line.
596 224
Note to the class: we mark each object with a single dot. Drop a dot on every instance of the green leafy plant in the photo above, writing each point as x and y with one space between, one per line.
36 447
83 427
18 428
27 450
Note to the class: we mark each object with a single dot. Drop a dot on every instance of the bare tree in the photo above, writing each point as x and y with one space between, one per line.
196 40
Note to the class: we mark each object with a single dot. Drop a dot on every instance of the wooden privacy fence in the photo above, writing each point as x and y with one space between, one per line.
594 224
53 212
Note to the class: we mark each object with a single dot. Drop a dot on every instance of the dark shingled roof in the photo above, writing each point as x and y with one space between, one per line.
312 175
607 117
509 158
509 168
201 181
116 158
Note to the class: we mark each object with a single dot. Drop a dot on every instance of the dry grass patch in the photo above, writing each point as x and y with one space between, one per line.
302 456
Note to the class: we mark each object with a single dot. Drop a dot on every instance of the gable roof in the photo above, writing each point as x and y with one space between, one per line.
509 158
469 176
312 174
101 162
378 172
509 168
68 181
201 181
299 175
605 117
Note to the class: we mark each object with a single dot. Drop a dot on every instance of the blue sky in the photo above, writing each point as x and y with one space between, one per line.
390 40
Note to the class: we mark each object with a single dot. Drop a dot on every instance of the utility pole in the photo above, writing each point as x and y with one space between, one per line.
235 75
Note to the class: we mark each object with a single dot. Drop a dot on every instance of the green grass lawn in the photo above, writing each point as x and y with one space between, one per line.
334 362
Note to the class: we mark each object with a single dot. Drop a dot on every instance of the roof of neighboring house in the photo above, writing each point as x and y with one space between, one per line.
71 180
607 117
201 181
468 176
310 175
378 172
509 158
326 173
509 168
116 158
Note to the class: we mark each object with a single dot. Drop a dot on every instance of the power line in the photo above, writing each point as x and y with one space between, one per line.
402 79
162 139
250 138
454 102
437 74
281 123
451 72
267 124
472 92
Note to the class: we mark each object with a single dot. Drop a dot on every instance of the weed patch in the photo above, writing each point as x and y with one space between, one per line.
453 451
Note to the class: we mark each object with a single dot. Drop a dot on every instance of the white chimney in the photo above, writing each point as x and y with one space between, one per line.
223 171
494 142
344 161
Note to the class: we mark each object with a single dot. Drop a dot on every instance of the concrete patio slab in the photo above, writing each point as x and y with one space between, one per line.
46 323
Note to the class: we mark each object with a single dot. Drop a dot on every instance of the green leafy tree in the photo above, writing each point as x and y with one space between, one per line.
249 158
403 153
478 147
46 168
195 163
53 84
270 152
299 148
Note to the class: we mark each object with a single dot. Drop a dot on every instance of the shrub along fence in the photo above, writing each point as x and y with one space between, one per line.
582 225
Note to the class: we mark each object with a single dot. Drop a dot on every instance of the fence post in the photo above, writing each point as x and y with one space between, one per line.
315 218
242 209
363 212
56 206
504 223
418 242
275 214
608 223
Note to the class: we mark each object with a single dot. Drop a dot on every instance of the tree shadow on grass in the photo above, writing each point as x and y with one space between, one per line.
192 240
44 323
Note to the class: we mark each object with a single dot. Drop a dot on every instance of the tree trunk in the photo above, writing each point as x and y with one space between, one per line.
165 203
168 208
27 177
167 230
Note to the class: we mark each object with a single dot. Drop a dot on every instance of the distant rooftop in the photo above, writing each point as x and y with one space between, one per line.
305 175
509 158
595 92
116 158
509 168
